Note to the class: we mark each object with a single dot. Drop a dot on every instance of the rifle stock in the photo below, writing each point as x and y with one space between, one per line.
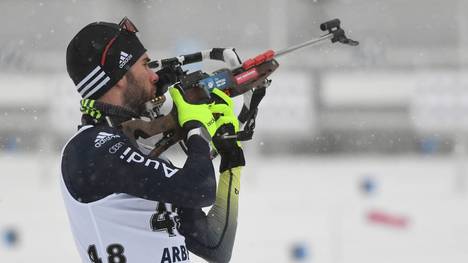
167 125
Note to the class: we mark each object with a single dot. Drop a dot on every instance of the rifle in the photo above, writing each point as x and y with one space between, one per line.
249 78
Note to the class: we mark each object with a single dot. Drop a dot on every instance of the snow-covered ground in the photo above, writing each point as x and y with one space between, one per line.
313 204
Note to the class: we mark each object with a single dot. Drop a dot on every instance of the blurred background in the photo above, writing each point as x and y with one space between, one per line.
359 154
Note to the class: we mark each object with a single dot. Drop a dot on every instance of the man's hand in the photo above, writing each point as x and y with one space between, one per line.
192 116
225 140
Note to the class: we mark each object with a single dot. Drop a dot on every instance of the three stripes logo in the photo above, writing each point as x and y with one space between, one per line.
104 137
124 58
95 80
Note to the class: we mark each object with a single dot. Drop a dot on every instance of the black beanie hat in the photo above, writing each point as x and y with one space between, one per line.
100 55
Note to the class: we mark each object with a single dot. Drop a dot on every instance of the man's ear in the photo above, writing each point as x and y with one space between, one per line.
122 83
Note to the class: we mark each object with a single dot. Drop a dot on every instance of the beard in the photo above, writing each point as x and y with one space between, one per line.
135 96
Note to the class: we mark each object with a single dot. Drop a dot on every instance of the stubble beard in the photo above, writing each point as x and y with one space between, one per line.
135 96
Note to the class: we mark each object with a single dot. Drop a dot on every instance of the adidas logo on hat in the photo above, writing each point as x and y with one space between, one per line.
124 58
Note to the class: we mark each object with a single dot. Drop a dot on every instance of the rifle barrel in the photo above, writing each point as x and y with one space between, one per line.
302 45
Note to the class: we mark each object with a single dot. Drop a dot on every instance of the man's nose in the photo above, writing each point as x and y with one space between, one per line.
154 77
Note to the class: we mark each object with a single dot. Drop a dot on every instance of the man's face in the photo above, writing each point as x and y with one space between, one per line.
141 85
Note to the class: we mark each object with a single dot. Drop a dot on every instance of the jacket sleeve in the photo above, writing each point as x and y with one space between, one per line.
96 168
212 236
